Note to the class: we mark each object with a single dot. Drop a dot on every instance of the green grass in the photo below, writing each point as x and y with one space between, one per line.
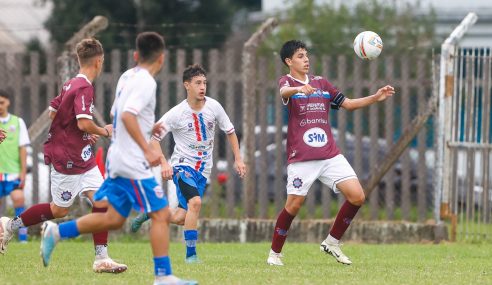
461 263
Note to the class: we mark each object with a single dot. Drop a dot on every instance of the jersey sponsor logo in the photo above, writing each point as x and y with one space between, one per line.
315 137
305 122
158 192
315 107
190 127
86 152
297 183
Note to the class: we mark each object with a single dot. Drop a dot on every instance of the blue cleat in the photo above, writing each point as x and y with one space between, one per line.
49 238
138 222
192 259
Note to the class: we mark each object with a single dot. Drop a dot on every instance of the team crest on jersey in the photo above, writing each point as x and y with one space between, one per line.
210 125
187 174
158 192
302 108
297 183
66 196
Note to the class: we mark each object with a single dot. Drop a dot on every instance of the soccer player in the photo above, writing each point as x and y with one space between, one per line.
192 123
311 150
69 153
13 158
131 182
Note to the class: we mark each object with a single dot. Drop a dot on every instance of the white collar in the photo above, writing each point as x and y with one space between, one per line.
83 76
6 119
303 82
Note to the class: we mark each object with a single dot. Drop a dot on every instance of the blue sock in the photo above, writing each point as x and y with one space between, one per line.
162 266
190 236
68 229
22 230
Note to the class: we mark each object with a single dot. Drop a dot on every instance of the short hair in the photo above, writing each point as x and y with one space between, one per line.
150 45
87 49
289 49
5 94
192 71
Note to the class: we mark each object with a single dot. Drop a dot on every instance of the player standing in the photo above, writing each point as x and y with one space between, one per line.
131 182
192 123
311 150
13 158
69 153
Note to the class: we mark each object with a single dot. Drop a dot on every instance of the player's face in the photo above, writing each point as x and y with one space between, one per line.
299 62
4 105
197 87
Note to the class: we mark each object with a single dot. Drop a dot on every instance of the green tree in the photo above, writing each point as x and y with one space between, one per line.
331 30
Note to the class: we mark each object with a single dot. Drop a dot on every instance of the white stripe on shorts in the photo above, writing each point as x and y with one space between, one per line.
144 196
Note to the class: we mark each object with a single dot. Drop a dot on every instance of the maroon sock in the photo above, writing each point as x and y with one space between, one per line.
344 218
281 229
102 237
36 214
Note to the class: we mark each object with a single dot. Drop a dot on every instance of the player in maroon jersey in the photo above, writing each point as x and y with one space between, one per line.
311 150
69 153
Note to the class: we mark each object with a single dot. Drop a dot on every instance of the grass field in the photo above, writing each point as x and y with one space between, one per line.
245 264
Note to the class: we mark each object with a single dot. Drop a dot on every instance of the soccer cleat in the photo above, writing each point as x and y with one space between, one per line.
173 280
5 234
49 238
138 222
335 251
275 258
192 259
107 265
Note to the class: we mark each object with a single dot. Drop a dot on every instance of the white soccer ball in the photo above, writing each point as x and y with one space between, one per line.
368 45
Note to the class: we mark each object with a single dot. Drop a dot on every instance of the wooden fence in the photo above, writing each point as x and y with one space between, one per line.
363 135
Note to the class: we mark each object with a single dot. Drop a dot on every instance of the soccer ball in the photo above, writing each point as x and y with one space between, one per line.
368 45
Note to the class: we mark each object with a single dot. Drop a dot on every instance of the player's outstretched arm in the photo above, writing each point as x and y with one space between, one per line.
380 95
131 125
238 164
88 126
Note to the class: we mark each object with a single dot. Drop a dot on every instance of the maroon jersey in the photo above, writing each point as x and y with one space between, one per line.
309 134
68 148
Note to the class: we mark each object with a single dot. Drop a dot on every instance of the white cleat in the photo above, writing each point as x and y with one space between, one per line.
173 280
275 258
107 265
5 234
335 251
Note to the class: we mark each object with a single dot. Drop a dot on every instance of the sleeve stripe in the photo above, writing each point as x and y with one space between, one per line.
84 116
230 131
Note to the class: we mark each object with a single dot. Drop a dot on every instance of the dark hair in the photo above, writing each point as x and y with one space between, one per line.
150 45
87 49
5 94
192 71
289 48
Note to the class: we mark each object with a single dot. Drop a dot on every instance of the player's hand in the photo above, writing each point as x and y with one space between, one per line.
152 156
385 92
157 130
3 135
166 170
109 127
307 89
22 178
93 139
240 168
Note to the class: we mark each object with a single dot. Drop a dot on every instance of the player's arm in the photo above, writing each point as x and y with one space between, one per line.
287 92
239 163
131 124
88 126
380 95
166 169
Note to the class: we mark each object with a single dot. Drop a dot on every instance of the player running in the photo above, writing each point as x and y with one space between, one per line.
131 182
311 150
192 123
69 153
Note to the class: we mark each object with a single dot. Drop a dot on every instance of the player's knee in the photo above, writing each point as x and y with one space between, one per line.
114 223
195 204
358 199
59 212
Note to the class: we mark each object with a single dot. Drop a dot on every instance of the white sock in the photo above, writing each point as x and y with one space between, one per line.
332 240
101 251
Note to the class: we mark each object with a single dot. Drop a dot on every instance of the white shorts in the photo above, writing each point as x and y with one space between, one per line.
301 175
64 187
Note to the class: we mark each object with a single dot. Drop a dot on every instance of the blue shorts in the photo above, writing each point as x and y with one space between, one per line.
191 177
143 195
8 186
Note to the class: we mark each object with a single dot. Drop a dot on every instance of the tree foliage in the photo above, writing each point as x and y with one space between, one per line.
329 29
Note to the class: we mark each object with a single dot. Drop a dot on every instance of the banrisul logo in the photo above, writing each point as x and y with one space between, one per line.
315 137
